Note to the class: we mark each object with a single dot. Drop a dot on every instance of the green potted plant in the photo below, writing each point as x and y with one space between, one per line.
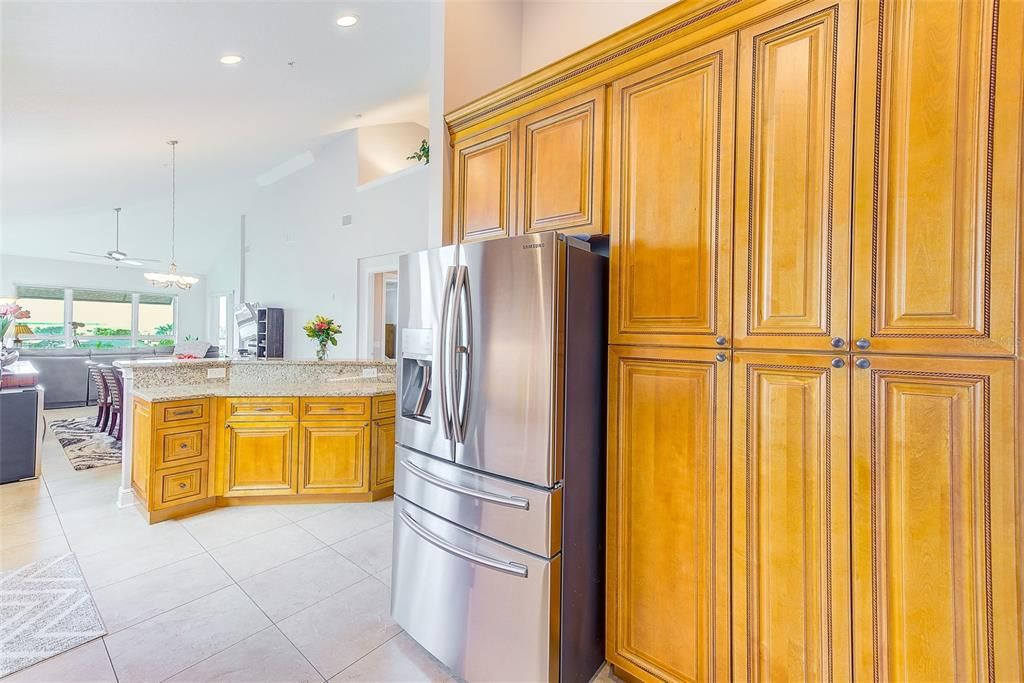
325 331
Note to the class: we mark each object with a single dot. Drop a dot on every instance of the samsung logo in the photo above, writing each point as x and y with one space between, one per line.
538 245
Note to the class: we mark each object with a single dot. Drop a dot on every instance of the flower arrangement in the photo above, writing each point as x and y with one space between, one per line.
325 331
8 314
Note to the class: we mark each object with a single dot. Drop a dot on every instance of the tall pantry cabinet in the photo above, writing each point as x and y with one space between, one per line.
815 375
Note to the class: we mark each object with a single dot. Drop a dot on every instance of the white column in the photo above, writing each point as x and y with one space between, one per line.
125 495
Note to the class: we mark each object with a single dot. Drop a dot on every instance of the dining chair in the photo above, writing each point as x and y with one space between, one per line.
115 389
102 397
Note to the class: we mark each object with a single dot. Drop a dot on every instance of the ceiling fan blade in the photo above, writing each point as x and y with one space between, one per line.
130 262
145 260
83 253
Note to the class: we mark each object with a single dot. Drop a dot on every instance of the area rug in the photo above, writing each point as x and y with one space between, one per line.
85 445
45 609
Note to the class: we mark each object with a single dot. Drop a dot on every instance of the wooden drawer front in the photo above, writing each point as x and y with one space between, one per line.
259 409
182 444
179 412
383 406
181 485
335 408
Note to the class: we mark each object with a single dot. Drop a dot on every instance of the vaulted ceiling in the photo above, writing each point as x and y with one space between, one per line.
92 90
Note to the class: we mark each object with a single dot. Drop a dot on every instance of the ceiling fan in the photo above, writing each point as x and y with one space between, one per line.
116 255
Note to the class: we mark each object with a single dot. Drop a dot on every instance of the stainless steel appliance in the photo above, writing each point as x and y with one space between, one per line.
499 517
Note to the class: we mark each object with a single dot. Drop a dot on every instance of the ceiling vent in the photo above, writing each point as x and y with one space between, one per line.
346 220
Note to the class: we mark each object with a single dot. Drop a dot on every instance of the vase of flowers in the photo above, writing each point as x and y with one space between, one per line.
325 331
9 313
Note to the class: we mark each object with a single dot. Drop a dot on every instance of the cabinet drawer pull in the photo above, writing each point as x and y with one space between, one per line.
262 409
183 445
183 411
182 485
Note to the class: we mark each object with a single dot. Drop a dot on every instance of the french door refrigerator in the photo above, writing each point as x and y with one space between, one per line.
498 565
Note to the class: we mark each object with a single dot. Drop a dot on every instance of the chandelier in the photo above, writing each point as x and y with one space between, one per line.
171 277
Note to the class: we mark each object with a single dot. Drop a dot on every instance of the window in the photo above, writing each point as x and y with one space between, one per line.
95 318
45 328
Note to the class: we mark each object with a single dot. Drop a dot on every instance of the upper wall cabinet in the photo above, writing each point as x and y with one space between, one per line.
937 181
671 203
794 142
563 165
484 185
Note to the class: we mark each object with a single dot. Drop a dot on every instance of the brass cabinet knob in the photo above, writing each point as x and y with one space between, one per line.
863 363
838 342
720 357
863 343
720 340
838 362
182 485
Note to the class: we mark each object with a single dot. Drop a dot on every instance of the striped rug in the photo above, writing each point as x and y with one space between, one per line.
85 445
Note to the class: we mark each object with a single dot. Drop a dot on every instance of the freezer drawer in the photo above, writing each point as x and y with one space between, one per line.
487 611
523 516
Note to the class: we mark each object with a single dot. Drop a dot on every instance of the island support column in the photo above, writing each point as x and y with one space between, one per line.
125 494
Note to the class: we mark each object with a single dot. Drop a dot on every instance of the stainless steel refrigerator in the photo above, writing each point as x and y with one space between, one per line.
498 563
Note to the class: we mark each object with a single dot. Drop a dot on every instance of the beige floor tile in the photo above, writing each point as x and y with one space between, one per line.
384 576
606 675
345 521
21 509
371 550
141 597
266 656
19 555
120 530
27 530
386 505
400 660
294 586
86 663
222 526
123 562
261 552
102 496
304 510
173 641
97 477
22 490
340 630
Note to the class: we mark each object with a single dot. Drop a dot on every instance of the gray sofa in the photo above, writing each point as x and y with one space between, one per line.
64 374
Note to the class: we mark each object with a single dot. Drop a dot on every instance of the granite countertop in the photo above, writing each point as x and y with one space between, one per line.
339 387
169 361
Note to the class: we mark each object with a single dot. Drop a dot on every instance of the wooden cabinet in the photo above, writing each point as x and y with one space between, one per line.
671 199
938 192
260 458
563 166
484 185
668 506
794 143
382 465
790 517
334 457
936 521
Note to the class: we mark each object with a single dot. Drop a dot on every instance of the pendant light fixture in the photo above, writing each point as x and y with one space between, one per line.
171 277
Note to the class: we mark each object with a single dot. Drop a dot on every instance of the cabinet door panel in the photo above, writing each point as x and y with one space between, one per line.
936 520
261 459
334 457
484 185
668 514
791 520
794 143
671 203
563 163
938 176
383 453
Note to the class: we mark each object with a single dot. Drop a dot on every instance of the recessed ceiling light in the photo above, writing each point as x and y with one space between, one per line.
348 20
231 59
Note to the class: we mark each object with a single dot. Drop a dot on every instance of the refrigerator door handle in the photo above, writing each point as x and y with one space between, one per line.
445 358
507 501
513 568
464 323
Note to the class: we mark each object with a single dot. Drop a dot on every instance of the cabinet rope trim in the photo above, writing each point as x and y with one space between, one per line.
876 504
875 193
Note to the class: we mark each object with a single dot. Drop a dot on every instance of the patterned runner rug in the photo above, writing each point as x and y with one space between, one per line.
85 445
45 609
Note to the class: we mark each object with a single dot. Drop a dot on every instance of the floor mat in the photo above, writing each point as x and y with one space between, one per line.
86 445
45 609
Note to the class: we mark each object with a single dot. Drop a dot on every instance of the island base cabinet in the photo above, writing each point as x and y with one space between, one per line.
668 506
260 459
936 521
334 457
383 461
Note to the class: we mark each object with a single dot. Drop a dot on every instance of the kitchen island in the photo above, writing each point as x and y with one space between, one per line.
212 432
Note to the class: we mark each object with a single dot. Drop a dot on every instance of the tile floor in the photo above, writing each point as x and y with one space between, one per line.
255 593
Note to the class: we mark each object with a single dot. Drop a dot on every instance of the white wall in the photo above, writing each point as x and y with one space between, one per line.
482 48
552 30
385 149
298 256
28 270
